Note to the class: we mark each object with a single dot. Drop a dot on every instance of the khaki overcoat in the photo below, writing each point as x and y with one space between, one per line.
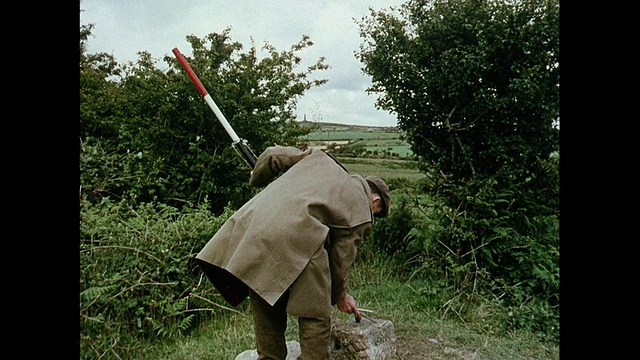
298 234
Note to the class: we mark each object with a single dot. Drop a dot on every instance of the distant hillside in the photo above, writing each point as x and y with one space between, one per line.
324 125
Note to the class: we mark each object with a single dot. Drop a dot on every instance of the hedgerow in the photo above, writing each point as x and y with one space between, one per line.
137 279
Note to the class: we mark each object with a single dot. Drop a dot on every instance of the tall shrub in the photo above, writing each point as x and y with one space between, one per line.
475 86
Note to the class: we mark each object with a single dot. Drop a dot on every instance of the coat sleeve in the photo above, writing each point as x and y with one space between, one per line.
342 249
274 161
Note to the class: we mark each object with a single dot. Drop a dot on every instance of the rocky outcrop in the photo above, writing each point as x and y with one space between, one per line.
371 339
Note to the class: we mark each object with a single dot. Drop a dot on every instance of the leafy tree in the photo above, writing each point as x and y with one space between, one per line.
147 135
475 86
107 166
98 95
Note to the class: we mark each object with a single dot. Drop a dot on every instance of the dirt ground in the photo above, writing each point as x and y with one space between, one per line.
430 349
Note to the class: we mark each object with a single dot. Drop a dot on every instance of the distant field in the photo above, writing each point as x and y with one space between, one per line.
377 140
400 147
374 139
386 169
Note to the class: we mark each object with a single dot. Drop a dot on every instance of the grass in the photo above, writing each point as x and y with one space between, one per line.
385 168
377 284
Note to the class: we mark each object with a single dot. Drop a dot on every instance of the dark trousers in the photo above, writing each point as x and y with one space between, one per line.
270 324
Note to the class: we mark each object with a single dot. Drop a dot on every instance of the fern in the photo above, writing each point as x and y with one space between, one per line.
185 324
171 327
93 293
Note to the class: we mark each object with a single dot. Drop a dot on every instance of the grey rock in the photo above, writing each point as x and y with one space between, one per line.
371 339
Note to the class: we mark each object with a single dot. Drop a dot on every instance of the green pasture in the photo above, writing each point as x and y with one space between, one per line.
394 146
385 168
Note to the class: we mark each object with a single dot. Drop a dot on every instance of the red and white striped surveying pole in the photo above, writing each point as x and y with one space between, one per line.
240 145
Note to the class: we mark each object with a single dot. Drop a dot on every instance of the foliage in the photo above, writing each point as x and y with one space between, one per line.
137 275
518 273
153 138
388 232
486 247
475 86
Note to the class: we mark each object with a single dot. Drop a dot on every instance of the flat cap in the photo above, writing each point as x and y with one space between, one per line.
383 189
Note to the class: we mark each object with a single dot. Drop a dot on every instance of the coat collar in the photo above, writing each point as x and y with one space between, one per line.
336 160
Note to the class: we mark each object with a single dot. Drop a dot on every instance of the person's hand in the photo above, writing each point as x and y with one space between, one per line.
348 305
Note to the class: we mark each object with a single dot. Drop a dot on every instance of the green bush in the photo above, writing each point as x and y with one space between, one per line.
388 233
138 280
496 243
392 235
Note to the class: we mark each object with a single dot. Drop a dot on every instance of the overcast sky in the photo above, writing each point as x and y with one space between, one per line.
124 27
